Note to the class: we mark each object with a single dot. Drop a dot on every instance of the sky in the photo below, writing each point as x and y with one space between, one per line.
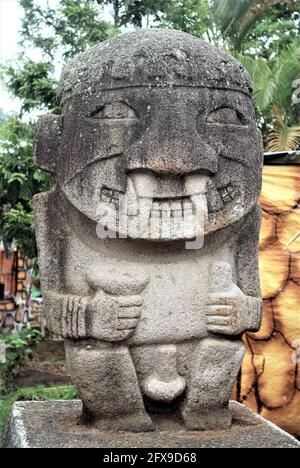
10 14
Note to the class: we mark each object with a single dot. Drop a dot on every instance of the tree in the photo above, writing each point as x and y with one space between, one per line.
58 34
237 18
133 12
273 80
65 30
20 180
33 83
192 16
274 32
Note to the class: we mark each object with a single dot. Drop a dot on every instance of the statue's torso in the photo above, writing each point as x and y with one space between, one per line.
178 282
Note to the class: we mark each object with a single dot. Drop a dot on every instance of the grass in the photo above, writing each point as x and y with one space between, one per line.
38 393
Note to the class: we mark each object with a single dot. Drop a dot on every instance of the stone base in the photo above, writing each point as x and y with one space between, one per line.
56 424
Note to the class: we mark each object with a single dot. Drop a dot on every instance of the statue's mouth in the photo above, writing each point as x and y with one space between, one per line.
166 207
216 201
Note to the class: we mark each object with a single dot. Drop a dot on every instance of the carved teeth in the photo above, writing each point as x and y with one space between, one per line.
201 209
132 199
208 198
144 183
173 208
195 184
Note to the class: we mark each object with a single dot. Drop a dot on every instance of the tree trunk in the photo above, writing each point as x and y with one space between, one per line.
253 14
117 7
257 10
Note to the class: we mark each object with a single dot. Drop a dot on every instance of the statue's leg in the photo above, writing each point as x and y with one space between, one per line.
215 366
106 381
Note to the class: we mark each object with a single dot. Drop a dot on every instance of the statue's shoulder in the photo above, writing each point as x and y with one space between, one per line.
49 201
50 211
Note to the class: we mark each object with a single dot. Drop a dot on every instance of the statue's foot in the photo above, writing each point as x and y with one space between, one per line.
208 420
136 423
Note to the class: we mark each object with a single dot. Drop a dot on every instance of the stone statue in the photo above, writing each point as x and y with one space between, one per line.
148 240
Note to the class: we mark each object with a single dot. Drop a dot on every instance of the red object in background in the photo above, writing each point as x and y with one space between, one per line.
15 292
8 273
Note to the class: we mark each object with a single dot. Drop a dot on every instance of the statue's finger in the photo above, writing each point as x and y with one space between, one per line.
219 310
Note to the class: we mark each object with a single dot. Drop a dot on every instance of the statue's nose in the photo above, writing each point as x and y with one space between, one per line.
174 150
183 157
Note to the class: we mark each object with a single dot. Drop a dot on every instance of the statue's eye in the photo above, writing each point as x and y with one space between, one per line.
226 116
116 111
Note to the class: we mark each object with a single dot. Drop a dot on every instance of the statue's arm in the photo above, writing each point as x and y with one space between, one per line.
66 314
235 304
248 270
102 316
98 315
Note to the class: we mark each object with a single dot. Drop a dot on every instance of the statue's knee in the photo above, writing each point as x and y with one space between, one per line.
85 355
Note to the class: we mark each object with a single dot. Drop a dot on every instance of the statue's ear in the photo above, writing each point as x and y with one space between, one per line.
47 142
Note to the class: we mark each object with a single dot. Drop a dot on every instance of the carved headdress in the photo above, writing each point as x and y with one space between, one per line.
152 58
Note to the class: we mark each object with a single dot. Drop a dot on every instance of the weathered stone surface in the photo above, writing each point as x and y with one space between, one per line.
148 241
56 424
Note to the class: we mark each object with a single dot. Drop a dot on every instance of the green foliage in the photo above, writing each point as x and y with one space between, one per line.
273 90
19 349
237 18
38 393
133 12
58 34
274 32
19 227
33 83
20 179
191 16
70 28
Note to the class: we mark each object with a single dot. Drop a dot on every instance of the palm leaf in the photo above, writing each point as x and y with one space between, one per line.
283 137
229 12
287 70
264 85
263 80
248 62
236 18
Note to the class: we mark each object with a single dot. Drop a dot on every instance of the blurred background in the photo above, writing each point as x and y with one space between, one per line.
36 38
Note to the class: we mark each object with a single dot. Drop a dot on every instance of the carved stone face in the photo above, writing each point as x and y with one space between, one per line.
176 146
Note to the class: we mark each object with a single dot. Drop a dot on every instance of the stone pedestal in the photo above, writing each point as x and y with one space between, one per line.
56 424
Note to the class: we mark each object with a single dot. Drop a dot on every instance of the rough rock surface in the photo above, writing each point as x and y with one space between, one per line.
56 424
148 241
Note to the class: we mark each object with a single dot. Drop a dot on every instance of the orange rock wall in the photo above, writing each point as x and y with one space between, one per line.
269 382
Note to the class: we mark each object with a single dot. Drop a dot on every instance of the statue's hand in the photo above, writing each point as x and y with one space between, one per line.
230 311
113 318
227 312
